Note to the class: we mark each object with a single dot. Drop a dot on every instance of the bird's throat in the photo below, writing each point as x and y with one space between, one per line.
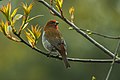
56 27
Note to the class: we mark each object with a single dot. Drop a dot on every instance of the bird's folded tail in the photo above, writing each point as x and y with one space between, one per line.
67 65
63 53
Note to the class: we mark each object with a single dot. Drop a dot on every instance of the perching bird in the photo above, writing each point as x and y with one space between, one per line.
53 41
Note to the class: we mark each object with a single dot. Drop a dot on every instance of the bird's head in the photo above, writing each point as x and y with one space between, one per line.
52 24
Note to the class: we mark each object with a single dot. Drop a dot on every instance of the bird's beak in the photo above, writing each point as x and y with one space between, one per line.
57 22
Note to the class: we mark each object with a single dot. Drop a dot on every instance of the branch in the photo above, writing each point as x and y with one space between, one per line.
99 34
78 30
112 64
69 59
106 36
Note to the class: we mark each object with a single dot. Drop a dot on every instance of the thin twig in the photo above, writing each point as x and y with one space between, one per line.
112 64
99 34
78 30
106 36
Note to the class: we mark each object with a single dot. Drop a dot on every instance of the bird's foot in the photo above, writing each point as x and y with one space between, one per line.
57 55
49 53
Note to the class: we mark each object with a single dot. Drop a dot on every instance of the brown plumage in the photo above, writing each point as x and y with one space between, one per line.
53 41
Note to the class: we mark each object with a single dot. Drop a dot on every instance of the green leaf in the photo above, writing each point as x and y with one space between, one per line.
31 33
27 8
93 78
89 32
30 39
34 17
70 28
24 26
36 31
14 12
59 4
71 12
18 16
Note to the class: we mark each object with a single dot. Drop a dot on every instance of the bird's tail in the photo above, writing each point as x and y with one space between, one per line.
67 65
63 53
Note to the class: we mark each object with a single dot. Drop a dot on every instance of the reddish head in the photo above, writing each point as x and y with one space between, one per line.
52 24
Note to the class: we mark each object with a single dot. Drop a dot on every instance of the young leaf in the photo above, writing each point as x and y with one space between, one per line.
7 29
93 78
31 33
9 8
27 8
17 17
71 12
24 26
30 7
89 32
31 40
6 10
14 12
4 27
36 31
34 17
70 28
59 4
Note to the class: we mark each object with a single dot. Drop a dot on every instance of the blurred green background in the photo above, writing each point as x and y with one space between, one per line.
19 62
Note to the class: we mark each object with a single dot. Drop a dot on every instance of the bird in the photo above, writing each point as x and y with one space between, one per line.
53 41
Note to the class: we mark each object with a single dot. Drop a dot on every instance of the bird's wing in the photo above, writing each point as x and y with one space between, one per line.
55 38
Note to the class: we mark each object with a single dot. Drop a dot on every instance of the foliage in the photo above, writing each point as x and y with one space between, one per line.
33 35
11 17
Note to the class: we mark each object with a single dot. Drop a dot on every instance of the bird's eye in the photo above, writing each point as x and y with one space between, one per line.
52 22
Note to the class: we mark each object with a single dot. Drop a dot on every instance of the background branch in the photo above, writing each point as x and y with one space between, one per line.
106 36
99 34
112 64
77 29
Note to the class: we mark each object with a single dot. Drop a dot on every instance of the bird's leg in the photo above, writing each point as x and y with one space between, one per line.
49 54
57 55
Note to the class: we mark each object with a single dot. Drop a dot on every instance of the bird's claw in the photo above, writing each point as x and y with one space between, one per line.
57 55
48 55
